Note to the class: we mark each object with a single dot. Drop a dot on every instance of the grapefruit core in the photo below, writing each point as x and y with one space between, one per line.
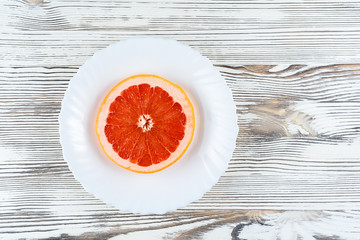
145 123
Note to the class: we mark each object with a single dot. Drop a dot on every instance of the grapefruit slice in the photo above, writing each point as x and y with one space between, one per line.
145 123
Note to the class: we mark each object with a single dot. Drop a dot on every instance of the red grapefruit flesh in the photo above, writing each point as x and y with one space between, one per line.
145 123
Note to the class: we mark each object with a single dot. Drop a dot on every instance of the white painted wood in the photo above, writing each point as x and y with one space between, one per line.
228 32
298 115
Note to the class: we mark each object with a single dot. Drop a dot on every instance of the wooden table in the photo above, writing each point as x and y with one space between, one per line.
293 68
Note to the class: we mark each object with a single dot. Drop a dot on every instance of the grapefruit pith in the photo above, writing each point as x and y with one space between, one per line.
145 123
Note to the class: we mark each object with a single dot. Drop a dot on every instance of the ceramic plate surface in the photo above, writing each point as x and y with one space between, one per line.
181 183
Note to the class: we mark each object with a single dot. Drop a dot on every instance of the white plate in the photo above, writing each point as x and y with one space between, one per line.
190 177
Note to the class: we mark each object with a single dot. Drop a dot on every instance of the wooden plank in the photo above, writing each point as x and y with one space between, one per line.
228 32
235 224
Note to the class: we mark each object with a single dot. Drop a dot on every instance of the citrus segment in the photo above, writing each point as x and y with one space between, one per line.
145 123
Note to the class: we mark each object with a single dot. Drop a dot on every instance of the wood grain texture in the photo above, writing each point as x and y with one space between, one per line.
296 149
228 32
298 115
